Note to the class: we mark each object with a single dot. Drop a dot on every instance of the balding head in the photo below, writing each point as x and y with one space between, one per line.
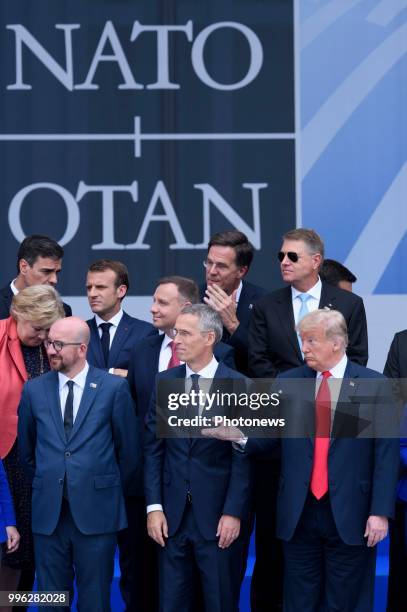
67 345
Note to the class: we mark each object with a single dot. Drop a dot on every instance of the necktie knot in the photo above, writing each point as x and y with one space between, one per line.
105 327
174 361
194 379
326 374
70 385
304 297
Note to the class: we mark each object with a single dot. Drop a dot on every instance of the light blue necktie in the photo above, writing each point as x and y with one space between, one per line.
304 297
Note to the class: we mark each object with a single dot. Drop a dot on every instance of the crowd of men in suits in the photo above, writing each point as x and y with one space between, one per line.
182 509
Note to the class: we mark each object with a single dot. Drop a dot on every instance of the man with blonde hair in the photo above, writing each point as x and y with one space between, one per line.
337 488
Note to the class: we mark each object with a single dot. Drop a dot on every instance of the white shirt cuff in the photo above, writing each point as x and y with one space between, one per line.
154 507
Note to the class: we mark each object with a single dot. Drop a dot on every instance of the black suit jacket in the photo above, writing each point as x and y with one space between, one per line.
129 331
273 342
6 295
250 294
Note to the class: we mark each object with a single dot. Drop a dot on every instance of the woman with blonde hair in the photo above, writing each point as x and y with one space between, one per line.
22 356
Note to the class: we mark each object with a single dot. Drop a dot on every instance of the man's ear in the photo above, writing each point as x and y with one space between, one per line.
23 266
121 291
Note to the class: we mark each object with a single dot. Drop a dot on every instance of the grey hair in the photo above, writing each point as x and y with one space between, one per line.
209 320
332 321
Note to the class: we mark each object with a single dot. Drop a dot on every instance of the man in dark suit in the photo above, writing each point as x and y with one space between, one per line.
228 260
273 348
396 368
78 440
39 262
151 355
113 333
196 490
337 487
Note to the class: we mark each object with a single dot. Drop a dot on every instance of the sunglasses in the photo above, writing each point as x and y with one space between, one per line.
292 256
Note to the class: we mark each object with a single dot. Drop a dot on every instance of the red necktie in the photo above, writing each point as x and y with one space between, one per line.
174 361
319 478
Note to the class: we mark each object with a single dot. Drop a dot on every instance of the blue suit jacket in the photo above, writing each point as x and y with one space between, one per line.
142 372
100 458
7 516
129 331
362 472
218 475
239 340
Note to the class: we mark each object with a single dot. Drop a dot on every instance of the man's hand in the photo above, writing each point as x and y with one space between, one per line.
224 432
120 372
13 539
224 304
157 526
228 530
376 529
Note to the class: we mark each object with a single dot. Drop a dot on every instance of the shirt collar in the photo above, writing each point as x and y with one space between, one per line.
114 320
314 292
337 371
13 287
207 372
166 341
239 292
79 379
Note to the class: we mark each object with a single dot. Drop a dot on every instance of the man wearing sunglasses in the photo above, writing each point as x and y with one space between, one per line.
228 260
275 347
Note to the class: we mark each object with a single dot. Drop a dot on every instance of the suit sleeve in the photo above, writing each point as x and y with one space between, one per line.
260 363
392 367
154 449
238 493
6 504
126 435
27 434
386 453
357 350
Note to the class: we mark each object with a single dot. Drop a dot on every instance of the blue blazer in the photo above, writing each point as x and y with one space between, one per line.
142 372
99 460
129 331
362 472
7 516
218 475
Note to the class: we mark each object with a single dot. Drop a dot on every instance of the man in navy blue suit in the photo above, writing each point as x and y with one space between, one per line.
113 333
196 490
151 355
228 260
78 441
337 489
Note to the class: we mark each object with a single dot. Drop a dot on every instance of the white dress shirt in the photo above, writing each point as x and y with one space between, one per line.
114 321
78 388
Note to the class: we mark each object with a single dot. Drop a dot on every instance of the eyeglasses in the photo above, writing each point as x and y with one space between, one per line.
207 263
58 345
292 256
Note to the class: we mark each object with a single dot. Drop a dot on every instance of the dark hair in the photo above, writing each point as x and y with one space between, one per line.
333 272
187 288
122 274
35 246
238 241
309 236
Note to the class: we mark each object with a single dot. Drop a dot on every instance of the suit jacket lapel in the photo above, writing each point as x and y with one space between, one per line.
285 312
51 384
95 347
92 387
120 336
346 413
327 299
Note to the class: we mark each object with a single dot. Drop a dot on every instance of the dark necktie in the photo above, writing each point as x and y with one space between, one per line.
105 341
68 412
319 477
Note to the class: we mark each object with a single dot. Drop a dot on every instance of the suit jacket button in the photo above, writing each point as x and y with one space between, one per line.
67 454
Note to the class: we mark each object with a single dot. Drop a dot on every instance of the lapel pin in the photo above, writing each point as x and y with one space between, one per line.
93 385
250 306
330 306
352 384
